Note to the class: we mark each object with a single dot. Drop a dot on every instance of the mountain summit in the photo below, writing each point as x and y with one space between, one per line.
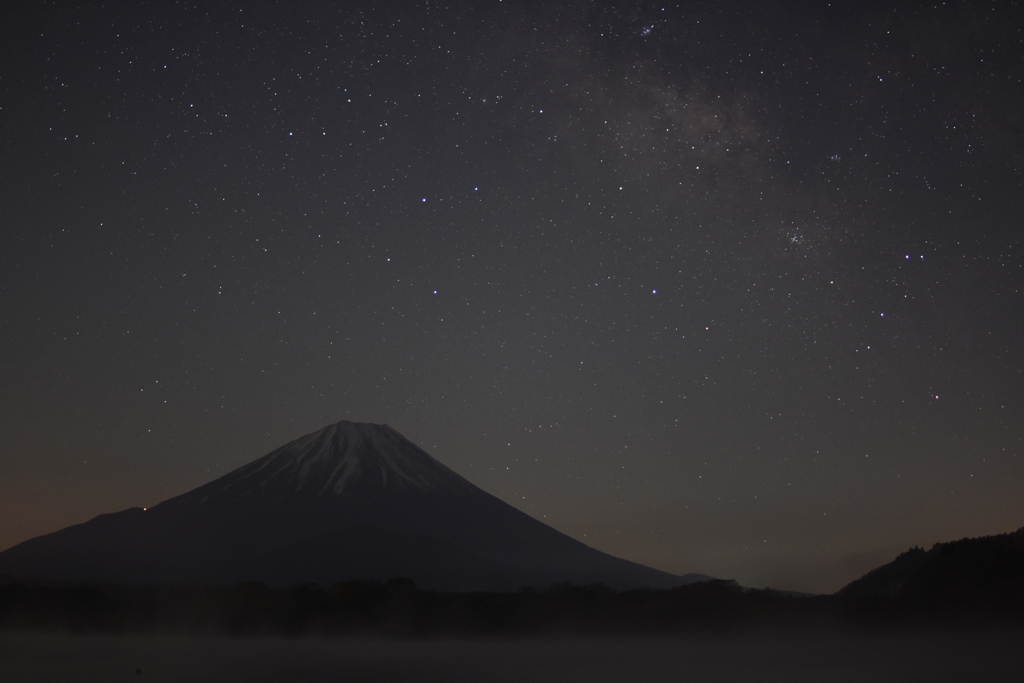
351 501
347 458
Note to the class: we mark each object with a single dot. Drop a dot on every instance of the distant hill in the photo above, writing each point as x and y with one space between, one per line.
984 573
350 502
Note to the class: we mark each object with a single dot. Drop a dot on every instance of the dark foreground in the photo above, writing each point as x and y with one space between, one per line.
981 657
398 609
393 631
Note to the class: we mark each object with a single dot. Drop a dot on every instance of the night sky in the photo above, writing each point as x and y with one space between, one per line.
715 287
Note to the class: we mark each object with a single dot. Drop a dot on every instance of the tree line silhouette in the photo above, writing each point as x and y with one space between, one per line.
962 584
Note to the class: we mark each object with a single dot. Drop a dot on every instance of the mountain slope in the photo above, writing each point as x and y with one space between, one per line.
970 573
349 501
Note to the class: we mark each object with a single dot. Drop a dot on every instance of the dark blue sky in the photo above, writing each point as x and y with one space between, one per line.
711 286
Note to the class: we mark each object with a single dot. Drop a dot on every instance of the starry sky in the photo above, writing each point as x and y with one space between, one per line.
722 287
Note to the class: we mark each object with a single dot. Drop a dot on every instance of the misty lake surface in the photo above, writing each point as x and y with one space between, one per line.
906 658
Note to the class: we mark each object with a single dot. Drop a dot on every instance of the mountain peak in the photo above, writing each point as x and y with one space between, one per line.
340 459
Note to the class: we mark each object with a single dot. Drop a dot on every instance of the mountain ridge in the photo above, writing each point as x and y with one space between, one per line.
970 572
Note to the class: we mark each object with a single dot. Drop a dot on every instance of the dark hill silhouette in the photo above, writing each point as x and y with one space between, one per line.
985 573
351 501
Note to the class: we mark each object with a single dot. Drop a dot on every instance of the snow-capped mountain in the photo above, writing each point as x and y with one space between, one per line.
340 459
351 501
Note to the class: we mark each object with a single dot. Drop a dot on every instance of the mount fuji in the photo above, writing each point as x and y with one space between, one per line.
351 501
